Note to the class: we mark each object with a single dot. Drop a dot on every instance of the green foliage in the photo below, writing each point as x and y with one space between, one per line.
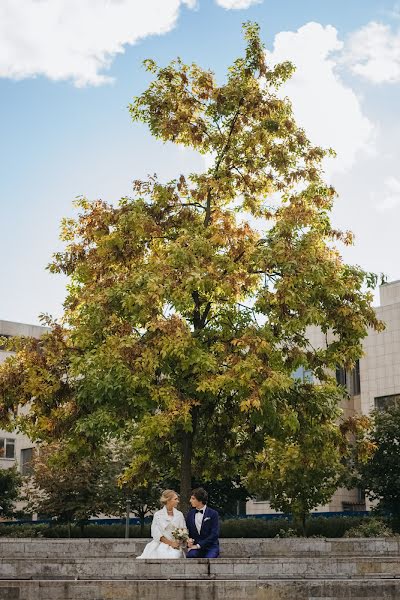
23 531
10 490
287 533
371 528
66 486
303 459
331 527
328 527
381 474
70 486
143 499
252 528
188 304
224 495
76 531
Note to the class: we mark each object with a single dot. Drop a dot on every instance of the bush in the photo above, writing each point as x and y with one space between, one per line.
252 528
23 531
370 528
287 533
329 527
61 531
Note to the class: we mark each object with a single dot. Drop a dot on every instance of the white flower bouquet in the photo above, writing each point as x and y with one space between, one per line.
180 534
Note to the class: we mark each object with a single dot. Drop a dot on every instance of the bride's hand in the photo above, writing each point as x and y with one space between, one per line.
174 545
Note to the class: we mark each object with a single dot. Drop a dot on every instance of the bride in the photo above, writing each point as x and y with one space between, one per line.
164 522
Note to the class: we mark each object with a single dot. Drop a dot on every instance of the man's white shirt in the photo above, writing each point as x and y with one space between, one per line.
198 519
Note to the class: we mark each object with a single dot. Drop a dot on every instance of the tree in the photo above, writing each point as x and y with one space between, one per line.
68 487
183 323
309 456
380 475
10 484
226 496
73 487
143 499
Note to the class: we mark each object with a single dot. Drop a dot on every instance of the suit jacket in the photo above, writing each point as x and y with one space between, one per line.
208 536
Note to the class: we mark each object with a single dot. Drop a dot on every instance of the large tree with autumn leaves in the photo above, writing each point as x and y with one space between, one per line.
188 304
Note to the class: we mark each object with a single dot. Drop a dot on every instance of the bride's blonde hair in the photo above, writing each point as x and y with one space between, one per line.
167 495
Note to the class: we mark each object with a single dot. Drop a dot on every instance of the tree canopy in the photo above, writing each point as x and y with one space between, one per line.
188 303
10 490
380 476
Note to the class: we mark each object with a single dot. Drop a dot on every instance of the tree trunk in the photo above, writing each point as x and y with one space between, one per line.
186 470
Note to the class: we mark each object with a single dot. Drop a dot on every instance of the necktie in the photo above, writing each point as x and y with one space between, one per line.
199 511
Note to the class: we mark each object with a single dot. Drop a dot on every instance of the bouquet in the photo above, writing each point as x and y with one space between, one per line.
180 534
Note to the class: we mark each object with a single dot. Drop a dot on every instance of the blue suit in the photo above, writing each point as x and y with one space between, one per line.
207 539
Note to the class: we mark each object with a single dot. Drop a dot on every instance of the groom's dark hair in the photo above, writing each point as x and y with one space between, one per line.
200 494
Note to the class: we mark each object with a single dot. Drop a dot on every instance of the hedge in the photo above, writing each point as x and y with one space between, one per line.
330 527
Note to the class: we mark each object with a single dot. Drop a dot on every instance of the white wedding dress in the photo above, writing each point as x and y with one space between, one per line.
162 526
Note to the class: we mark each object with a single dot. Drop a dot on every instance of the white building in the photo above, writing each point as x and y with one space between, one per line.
16 448
374 383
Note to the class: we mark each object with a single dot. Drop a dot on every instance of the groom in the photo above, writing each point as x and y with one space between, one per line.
203 526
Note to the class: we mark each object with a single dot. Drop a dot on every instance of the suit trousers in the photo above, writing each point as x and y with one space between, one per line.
203 553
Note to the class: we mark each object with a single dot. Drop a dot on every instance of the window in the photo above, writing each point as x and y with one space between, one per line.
26 461
301 374
355 387
385 402
341 376
350 379
7 448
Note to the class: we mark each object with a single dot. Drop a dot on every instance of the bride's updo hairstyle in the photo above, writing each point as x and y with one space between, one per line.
167 495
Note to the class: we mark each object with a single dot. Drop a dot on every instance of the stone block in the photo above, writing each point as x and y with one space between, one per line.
201 590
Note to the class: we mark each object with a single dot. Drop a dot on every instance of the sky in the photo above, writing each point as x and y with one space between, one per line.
69 69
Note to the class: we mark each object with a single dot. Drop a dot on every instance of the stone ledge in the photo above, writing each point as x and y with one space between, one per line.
213 569
201 590
230 547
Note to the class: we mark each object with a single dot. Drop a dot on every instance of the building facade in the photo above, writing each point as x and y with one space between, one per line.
16 448
374 383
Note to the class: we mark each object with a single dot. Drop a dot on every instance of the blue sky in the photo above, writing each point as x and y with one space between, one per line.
69 68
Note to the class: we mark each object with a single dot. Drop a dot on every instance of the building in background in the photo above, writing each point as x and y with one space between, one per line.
374 383
16 448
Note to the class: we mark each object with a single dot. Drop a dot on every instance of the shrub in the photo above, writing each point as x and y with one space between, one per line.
61 531
22 531
287 533
331 527
252 528
370 528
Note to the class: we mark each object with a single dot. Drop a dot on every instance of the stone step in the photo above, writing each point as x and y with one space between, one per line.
323 589
230 547
204 569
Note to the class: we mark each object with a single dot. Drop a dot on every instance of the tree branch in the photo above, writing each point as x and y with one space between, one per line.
207 218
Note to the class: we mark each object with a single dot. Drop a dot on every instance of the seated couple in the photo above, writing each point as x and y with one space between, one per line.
201 524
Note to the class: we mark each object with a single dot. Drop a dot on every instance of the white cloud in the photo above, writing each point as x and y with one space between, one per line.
391 198
327 108
373 52
76 39
237 4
